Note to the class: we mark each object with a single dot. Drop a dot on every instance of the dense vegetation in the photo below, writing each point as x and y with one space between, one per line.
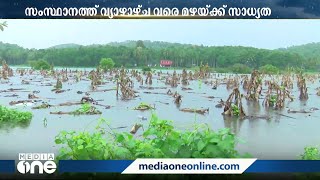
106 64
40 65
311 153
269 69
310 51
159 140
14 117
142 53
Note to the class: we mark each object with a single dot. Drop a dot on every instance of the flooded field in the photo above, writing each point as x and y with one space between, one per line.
282 136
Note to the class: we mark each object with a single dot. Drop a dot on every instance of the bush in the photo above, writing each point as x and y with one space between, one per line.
146 69
311 153
269 69
241 69
40 65
106 63
14 116
159 140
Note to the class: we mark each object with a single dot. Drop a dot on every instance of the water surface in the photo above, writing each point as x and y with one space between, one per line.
278 138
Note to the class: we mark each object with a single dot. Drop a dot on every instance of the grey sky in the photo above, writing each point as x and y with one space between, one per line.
268 34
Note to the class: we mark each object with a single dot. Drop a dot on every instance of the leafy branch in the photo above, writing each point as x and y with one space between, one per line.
2 25
159 140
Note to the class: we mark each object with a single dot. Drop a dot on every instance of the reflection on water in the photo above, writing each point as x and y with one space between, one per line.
7 126
233 123
283 136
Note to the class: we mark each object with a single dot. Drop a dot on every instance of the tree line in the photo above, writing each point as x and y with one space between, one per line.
143 53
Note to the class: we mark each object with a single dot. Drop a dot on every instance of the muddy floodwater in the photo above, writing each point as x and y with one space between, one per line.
281 137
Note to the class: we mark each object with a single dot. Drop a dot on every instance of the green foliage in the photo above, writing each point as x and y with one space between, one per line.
311 153
140 44
146 69
199 83
86 109
159 140
42 106
240 68
221 70
273 99
143 106
2 25
310 52
58 84
40 65
14 116
127 54
269 69
106 63
235 110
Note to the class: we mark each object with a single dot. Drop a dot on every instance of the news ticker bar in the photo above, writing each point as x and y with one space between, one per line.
7 166
120 166
217 9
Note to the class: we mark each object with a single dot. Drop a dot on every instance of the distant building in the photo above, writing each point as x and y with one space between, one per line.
165 63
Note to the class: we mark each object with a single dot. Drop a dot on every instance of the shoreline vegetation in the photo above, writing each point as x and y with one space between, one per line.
212 70
139 54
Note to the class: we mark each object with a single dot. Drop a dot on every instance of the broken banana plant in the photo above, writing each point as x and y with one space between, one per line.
301 83
254 87
125 85
233 106
276 96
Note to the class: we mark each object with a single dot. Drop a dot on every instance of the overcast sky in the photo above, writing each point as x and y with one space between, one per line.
269 34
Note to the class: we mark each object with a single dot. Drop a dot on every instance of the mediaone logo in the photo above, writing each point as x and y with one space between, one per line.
43 161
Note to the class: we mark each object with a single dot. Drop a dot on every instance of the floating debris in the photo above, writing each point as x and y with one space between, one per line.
186 89
143 107
143 118
151 88
26 102
86 109
58 91
32 96
135 128
102 90
163 102
148 92
13 95
70 103
45 122
44 105
199 111
257 117
298 111
14 90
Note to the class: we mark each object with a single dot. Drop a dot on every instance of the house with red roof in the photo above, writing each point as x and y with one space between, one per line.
165 63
